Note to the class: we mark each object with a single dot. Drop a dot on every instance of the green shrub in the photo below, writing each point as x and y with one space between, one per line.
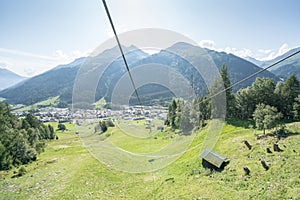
22 171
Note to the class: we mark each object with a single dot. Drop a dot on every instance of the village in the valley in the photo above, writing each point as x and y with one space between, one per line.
61 115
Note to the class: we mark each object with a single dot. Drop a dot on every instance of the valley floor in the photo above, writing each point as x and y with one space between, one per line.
67 170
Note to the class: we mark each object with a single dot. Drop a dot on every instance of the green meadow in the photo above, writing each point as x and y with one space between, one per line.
81 166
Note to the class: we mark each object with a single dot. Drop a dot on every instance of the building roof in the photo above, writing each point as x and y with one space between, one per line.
213 157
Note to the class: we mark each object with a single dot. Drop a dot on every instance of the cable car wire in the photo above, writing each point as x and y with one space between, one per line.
121 50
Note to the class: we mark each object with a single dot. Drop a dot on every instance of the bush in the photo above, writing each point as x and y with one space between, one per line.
103 126
109 123
107 134
61 127
22 171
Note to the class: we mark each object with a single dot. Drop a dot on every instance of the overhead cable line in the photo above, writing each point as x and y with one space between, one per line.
121 50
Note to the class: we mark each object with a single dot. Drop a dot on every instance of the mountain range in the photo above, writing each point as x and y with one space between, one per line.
9 78
283 69
60 80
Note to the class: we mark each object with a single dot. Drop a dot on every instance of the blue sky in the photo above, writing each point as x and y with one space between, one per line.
37 35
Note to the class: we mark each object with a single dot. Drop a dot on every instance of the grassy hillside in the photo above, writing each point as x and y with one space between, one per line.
56 82
66 170
46 103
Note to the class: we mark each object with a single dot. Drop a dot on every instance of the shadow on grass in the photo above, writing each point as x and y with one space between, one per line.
284 134
211 167
247 123
280 134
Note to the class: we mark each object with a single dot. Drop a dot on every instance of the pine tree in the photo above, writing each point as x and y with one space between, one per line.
296 108
230 101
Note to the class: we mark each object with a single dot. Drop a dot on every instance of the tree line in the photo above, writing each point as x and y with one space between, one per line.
264 101
21 139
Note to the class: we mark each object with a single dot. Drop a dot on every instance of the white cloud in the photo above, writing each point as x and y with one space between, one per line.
265 51
60 54
273 53
207 44
29 71
260 54
24 66
78 54
269 56
210 44
283 49
23 53
239 52
62 57
29 64
3 64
